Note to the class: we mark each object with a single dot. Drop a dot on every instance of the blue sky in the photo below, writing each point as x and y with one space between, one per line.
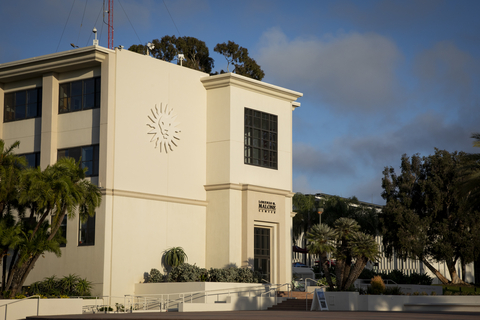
379 78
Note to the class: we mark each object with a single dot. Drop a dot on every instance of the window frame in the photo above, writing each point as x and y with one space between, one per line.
86 230
260 139
79 150
71 96
26 104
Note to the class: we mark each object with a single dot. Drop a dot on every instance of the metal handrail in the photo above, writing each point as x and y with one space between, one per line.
277 286
164 298
20 300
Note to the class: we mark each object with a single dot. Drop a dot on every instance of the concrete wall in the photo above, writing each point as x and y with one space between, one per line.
19 309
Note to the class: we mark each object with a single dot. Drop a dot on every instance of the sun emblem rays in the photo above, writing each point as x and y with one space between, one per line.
163 128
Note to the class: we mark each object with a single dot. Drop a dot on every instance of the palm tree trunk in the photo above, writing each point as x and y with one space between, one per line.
326 271
357 269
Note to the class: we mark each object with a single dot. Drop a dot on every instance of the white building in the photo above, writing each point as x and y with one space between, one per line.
182 159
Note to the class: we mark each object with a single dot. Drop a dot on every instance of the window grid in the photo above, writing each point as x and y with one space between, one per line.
260 139
79 95
23 104
88 154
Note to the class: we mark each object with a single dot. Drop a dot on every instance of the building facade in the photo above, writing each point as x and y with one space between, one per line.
182 158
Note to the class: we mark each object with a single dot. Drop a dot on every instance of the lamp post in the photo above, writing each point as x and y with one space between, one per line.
320 211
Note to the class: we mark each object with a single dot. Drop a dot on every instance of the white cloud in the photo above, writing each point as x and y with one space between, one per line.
347 71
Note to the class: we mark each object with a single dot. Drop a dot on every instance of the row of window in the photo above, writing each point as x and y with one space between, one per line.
88 154
73 96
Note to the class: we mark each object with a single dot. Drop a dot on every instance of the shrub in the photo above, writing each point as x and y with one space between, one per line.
155 276
186 273
71 285
394 291
377 285
416 278
245 275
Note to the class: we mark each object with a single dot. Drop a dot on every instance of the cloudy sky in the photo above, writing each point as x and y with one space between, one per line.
379 78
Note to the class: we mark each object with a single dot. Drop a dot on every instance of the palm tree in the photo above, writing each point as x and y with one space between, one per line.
174 257
351 248
57 191
321 241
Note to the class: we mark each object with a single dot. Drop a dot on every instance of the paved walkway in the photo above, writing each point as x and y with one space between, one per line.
267 315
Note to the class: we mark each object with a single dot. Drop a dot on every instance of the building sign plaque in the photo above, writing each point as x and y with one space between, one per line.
267 206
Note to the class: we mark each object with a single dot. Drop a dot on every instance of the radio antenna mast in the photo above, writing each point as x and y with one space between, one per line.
110 24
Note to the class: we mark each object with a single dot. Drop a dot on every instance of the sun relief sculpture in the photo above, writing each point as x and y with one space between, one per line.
163 127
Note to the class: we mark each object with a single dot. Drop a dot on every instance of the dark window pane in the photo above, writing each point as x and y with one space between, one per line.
76 103
19 112
89 155
21 98
9 114
76 88
86 234
89 101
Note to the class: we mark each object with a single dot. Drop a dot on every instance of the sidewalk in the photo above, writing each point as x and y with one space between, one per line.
266 315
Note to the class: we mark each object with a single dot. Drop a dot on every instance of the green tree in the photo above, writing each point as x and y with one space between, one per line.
335 207
43 197
196 52
174 257
351 248
425 217
239 58
469 187
306 215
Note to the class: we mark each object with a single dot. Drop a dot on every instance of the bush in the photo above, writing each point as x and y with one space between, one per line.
377 285
186 273
416 278
394 291
367 274
71 285
191 273
155 276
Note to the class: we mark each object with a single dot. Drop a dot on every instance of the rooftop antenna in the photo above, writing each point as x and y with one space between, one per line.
110 22
95 41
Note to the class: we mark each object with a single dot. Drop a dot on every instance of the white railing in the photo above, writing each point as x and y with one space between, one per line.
21 300
275 289
165 301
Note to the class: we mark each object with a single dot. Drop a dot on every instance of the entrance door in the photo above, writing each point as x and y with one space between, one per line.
262 252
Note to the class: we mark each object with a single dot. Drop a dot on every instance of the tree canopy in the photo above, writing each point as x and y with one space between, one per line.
239 58
197 55
33 212
425 216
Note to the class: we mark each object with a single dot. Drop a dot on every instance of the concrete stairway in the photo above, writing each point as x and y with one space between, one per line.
298 301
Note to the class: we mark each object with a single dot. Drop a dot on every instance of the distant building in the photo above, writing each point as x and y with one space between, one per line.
182 159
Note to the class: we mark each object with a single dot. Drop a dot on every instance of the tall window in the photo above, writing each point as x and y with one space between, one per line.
89 155
23 104
79 95
261 252
63 230
86 232
260 139
33 159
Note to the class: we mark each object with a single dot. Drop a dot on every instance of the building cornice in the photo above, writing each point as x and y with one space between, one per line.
56 62
235 80
151 196
249 187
